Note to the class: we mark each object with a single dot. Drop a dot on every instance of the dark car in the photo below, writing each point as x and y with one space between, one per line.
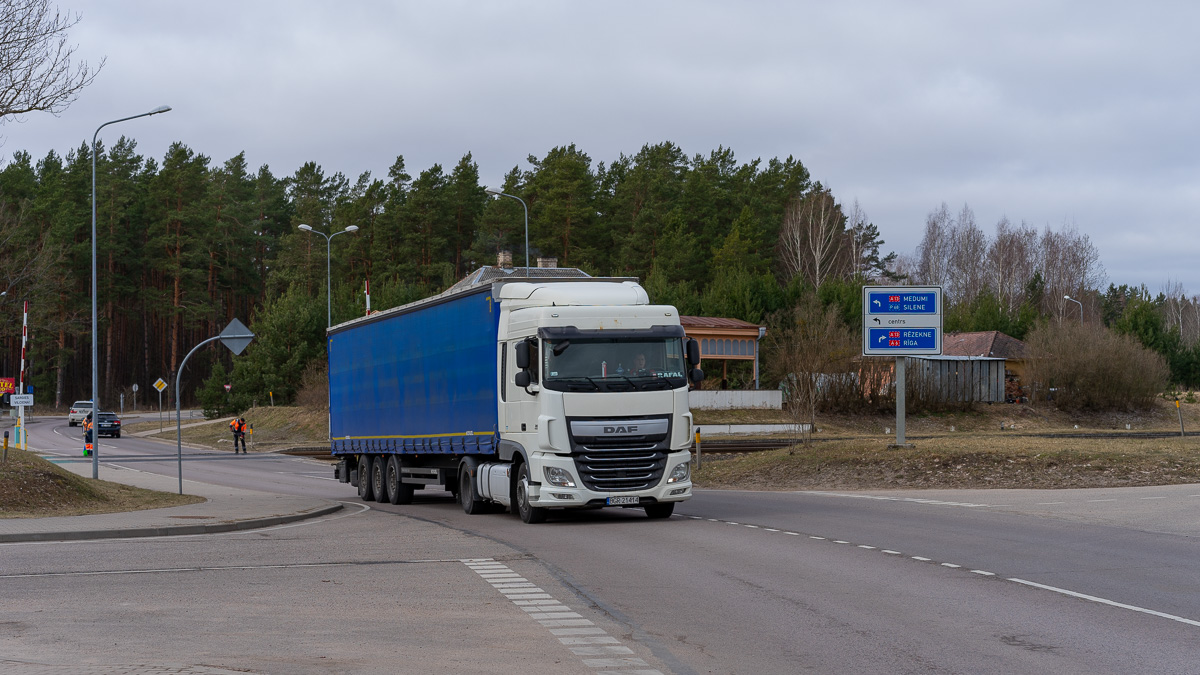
109 425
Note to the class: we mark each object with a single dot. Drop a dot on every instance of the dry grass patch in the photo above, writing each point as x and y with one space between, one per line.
1162 416
961 461
31 487
275 428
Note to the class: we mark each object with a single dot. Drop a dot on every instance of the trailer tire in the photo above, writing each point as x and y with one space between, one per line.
364 479
660 509
379 479
398 492
529 513
467 495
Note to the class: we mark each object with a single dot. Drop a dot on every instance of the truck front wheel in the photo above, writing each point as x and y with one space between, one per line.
528 512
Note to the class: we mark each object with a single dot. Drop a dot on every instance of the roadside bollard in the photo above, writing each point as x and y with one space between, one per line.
1180 411
697 448
6 445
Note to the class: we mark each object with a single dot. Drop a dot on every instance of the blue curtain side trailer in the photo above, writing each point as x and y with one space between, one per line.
417 381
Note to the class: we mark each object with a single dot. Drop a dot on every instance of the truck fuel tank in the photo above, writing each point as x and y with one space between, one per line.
493 481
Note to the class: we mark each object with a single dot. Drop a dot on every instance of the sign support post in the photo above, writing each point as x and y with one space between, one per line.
235 337
901 363
160 386
902 321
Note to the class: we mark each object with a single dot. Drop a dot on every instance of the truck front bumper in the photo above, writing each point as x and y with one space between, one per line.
549 495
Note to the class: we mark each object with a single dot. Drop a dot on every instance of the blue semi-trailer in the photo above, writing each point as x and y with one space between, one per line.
539 393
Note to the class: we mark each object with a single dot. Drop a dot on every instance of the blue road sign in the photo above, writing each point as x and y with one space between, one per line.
902 338
902 303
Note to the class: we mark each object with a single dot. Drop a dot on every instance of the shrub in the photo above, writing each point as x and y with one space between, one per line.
1088 367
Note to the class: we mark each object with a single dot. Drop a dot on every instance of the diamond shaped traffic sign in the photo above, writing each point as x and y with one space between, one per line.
236 336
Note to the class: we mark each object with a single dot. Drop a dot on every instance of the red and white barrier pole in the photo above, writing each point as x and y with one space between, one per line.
24 440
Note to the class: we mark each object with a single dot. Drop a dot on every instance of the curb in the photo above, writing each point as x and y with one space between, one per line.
169 530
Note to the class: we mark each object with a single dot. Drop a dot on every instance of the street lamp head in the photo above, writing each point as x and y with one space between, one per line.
306 228
1066 297
351 228
160 109
490 191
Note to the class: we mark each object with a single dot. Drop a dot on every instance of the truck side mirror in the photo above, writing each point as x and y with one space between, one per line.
521 350
696 376
521 379
693 352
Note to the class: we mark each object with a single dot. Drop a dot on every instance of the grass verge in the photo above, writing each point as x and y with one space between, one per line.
31 487
275 428
960 461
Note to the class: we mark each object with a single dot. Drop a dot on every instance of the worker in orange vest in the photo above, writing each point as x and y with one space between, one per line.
87 435
238 427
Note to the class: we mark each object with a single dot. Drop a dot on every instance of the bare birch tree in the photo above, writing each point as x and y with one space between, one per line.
810 348
1070 265
812 238
37 72
965 257
1174 303
1011 262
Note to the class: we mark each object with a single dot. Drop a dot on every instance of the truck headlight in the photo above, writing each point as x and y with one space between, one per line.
680 473
559 477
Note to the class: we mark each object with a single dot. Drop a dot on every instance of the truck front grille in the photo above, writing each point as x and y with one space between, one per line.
620 455
620 470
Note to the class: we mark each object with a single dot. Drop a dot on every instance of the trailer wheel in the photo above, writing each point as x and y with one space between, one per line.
364 479
467 495
528 512
398 491
379 479
660 509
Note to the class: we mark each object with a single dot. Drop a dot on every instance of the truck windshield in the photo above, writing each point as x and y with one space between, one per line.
623 364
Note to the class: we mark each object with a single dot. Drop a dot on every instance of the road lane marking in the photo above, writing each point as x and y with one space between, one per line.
1105 601
985 573
582 636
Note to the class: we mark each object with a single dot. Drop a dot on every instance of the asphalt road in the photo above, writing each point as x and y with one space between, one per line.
736 582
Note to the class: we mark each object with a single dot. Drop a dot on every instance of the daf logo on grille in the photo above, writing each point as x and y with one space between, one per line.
618 428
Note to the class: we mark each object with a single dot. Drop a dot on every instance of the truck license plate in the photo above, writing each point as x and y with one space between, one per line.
614 501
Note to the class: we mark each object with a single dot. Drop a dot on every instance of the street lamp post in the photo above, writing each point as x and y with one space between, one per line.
95 351
1067 297
328 277
498 193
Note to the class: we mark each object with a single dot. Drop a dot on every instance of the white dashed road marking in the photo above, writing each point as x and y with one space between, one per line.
582 636
984 573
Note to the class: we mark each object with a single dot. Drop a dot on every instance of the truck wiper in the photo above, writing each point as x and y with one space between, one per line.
578 381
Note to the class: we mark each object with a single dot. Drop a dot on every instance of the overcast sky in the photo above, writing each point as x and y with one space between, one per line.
1052 113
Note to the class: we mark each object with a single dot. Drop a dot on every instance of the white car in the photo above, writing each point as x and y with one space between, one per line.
79 412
